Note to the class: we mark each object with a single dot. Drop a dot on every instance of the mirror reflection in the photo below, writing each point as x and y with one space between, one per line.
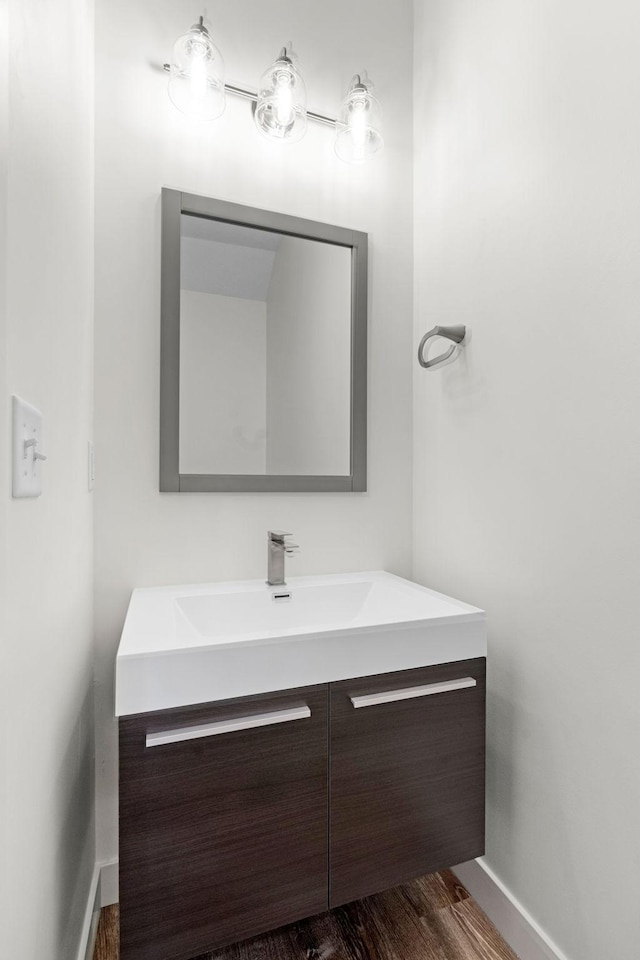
265 352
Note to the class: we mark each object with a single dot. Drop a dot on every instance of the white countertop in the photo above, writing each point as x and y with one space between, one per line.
204 642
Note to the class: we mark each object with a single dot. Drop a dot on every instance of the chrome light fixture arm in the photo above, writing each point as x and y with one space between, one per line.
252 95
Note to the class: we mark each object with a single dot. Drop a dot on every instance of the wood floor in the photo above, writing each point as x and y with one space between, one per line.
433 918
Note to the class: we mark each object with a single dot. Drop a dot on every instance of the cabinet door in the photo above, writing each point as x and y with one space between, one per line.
406 777
223 822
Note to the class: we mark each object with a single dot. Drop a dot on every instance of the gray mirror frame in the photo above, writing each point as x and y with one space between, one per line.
174 204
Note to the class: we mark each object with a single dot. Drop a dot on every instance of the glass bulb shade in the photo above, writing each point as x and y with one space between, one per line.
358 135
281 108
196 76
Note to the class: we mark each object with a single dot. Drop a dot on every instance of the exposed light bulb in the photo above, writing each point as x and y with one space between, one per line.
358 127
196 82
358 136
281 108
198 78
284 99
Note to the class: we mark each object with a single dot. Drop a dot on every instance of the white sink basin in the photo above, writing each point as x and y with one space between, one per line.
195 644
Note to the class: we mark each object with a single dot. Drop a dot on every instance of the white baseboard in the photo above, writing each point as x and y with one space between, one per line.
91 917
109 882
524 935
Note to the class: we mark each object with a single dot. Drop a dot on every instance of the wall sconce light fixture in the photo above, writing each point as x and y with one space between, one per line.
281 107
196 75
358 135
197 88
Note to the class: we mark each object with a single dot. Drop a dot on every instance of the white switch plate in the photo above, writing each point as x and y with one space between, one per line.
27 425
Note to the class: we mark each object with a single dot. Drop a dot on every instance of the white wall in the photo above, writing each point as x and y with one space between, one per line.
309 359
528 448
223 384
5 440
142 144
46 195
224 267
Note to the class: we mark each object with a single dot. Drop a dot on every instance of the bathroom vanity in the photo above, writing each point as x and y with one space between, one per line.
240 814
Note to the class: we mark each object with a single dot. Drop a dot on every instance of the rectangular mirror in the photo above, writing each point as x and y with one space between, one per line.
263 350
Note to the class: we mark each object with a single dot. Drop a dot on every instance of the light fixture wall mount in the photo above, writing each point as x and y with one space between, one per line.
197 88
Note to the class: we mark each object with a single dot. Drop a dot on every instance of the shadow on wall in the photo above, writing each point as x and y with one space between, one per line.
462 382
76 842
502 733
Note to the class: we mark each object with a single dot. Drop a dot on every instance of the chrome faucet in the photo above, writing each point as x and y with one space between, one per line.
277 548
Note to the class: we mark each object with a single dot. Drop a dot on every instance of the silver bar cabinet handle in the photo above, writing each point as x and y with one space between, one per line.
178 734
408 693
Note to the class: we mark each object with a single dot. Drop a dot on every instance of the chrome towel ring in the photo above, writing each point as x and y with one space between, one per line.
457 334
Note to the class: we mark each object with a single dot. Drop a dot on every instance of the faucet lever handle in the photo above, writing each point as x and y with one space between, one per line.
277 535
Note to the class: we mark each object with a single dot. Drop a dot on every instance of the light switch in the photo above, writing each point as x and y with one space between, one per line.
27 449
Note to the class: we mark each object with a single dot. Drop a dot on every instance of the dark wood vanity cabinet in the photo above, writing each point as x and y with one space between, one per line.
223 836
284 804
407 776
